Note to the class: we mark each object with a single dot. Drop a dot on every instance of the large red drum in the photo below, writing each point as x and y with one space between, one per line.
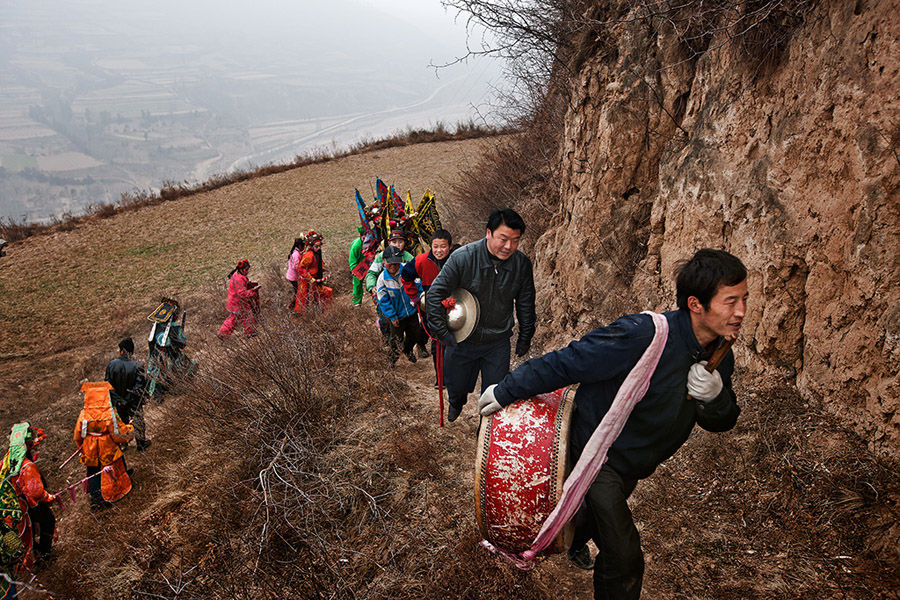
520 467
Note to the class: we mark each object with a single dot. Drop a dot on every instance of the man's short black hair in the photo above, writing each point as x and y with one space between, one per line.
508 217
443 234
704 274
127 345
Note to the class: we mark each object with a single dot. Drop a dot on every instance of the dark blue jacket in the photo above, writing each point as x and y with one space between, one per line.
661 422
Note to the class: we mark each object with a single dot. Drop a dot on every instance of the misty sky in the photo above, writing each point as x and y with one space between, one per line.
398 40
430 33
101 96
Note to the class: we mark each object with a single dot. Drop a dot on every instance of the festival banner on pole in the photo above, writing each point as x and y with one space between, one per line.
427 220
397 212
381 192
361 208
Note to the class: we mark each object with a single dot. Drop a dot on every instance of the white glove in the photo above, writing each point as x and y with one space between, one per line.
487 404
703 385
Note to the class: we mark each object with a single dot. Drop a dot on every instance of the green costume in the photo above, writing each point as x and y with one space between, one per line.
12 550
356 257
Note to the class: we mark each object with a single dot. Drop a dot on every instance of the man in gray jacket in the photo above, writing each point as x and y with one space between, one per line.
500 277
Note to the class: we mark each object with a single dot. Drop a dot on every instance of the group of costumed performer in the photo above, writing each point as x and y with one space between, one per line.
388 215
27 523
242 303
311 276
402 229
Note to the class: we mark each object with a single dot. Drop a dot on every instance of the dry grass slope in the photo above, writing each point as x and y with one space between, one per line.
299 465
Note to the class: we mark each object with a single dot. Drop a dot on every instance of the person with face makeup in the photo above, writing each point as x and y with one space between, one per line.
711 290
311 276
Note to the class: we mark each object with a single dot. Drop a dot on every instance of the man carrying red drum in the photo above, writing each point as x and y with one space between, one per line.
499 276
711 291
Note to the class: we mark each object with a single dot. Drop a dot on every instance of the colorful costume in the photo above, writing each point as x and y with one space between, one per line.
291 273
356 256
243 297
98 433
23 503
167 359
311 277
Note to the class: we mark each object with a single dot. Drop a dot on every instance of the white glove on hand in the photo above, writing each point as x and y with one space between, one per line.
703 385
487 404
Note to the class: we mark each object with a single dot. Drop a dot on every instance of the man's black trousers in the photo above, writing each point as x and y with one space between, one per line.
465 361
605 517
94 484
46 523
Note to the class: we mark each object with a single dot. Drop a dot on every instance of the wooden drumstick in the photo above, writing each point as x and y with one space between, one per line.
719 355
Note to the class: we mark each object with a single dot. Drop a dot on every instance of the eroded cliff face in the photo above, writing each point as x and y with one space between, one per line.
794 168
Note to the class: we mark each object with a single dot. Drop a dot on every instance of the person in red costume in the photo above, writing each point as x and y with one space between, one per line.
34 499
311 276
242 302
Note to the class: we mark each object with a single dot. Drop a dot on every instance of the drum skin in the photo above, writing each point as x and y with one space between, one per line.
521 464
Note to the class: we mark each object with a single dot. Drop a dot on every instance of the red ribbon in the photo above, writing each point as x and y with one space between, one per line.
439 359
72 489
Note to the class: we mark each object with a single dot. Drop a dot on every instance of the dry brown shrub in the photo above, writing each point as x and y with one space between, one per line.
520 172
12 230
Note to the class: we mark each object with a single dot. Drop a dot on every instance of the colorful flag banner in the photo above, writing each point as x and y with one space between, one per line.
381 192
361 208
426 220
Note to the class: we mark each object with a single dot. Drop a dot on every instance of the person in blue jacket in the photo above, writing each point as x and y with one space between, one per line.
712 295
397 306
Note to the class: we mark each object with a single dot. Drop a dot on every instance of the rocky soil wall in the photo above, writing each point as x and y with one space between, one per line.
791 166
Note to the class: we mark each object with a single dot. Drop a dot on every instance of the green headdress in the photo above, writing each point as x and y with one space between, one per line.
18 447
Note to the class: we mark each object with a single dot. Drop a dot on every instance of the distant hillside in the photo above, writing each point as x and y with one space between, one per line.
103 99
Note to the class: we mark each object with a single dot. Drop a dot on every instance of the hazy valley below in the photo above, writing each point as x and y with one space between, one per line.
97 100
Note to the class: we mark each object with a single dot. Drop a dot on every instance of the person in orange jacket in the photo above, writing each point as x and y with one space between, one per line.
98 433
311 276
24 503
29 485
